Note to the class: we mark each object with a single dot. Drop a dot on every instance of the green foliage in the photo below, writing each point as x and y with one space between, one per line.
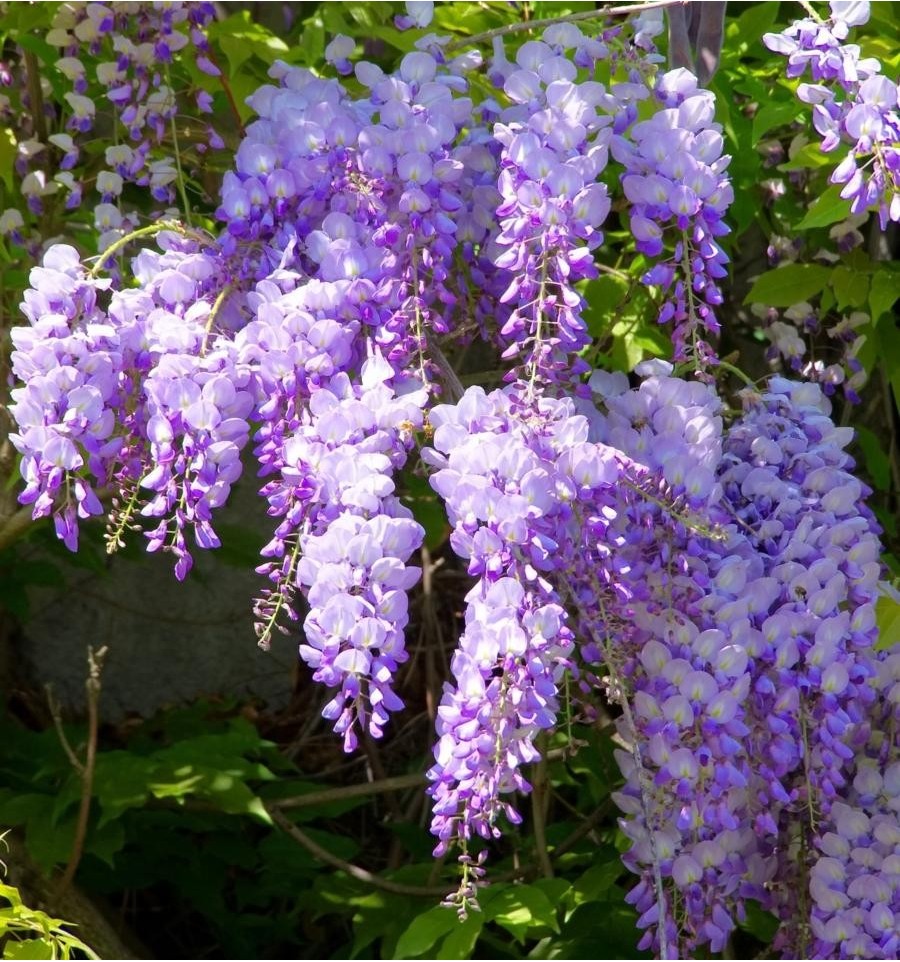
788 285
27 933
190 788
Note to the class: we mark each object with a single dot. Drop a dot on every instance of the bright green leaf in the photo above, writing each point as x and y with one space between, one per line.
828 208
884 291
461 940
424 931
756 20
29 949
810 157
788 285
7 156
851 288
887 614
773 115
522 907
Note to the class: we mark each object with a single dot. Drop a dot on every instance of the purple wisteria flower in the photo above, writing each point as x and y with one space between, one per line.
345 538
853 103
554 140
676 182
508 475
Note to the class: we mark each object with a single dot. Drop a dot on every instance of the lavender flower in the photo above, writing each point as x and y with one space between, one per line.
679 191
853 103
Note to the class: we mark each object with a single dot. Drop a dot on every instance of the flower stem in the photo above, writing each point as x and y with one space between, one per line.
148 231
593 14
181 186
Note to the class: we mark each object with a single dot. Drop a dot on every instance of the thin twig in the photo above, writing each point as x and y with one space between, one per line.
226 86
147 231
378 770
36 98
56 715
597 13
355 871
93 687
577 834
177 152
454 385
396 783
539 797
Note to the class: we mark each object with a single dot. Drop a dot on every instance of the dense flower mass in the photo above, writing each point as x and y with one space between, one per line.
509 477
711 573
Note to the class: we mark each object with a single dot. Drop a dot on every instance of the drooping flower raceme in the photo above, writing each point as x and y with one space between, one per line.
554 146
675 179
785 475
69 362
853 103
508 474
656 584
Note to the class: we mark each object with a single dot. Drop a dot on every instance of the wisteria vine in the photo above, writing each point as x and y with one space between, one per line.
711 572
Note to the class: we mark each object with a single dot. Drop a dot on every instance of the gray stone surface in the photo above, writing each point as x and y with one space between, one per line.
169 642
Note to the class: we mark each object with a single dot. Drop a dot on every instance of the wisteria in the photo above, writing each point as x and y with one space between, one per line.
508 477
554 146
702 563
677 184
853 103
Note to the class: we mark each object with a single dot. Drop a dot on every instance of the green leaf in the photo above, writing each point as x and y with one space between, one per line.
598 879
29 949
424 931
887 334
884 291
772 115
887 614
756 20
788 285
312 40
461 940
556 889
427 508
877 463
603 296
7 156
122 781
16 809
607 925
828 208
520 908
811 157
105 841
241 38
759 923
40 48
851 288
49 842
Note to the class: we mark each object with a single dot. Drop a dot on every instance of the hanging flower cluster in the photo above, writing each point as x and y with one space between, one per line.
853 104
